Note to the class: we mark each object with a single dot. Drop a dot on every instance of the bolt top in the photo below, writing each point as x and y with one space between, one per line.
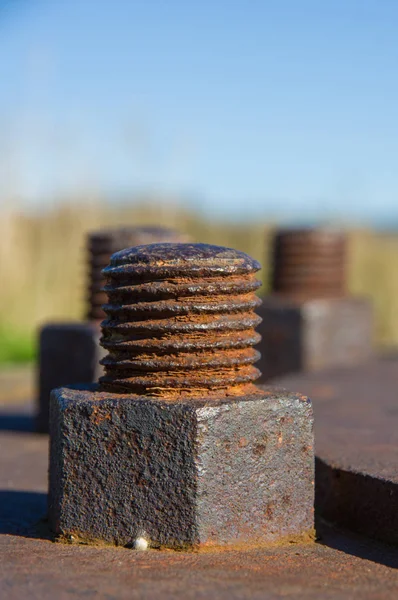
173 259
321 235
309 263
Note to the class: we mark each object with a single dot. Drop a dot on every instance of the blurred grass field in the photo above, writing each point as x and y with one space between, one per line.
42 264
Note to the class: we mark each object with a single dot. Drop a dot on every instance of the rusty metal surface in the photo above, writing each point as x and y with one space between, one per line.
313 335
356 426
191 472
341 565
309 263
181 320
41 570
69 353
102 244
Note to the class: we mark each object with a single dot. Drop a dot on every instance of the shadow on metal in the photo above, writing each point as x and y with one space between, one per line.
24 514
17 422
356 545
361 504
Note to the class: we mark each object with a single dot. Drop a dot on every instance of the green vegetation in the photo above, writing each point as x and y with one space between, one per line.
15 347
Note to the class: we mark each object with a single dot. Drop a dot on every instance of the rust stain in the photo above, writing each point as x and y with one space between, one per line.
305 538
98 415
259 449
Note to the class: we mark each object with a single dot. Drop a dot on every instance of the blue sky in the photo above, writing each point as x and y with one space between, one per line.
244 107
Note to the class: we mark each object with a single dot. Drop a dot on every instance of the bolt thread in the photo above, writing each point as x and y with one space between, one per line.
309 263
102 244
180 320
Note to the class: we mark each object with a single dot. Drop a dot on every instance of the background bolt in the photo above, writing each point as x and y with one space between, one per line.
309 263
309 321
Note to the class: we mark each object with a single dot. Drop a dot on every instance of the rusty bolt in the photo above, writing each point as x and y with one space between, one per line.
178 447
103 243
309 263
180 320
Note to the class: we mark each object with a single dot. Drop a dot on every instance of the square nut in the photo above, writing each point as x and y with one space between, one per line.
314 334
69 353
187 473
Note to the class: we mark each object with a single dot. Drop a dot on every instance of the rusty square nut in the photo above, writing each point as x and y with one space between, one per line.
69 353
314 334
186 474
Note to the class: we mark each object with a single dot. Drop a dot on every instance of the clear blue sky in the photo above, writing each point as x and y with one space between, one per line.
244 106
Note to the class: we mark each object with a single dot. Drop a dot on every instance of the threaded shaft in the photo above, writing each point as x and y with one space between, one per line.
102 244
309 263
180 320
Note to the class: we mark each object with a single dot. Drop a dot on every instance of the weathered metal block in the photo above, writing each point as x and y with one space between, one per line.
69 353
313 334
357 445
185 473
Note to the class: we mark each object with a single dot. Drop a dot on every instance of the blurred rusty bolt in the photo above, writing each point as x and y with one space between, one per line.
309 263
103 243
309 322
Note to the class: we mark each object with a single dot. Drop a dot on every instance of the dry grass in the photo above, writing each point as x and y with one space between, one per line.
42 263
